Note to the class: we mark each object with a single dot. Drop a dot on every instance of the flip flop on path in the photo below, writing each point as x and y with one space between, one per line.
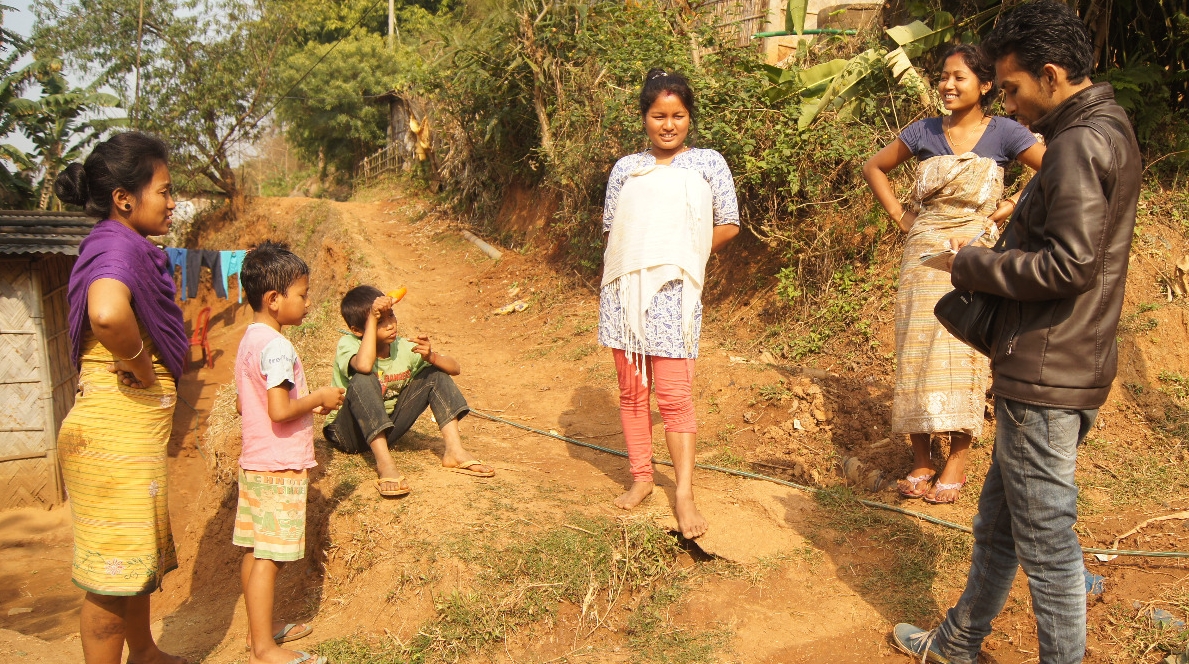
390 493
464 468
303 657
915 487
956 487
288 634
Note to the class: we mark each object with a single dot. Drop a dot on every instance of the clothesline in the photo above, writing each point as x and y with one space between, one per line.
222 264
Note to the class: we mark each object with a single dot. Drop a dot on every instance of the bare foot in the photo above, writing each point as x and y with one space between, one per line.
689 519
635 495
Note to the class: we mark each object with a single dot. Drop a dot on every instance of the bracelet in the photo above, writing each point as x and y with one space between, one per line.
1013 203
431 354
129 359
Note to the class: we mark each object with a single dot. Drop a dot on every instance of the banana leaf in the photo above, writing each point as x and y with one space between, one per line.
842 87
916 37
815 79
794 16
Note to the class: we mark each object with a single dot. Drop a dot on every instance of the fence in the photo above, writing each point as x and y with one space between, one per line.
387 159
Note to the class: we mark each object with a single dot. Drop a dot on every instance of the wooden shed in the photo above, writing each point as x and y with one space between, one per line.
37 378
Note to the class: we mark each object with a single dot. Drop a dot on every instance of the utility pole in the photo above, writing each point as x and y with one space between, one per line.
391 25
139 40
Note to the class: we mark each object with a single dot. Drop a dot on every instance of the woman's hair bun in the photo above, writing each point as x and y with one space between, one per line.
71 185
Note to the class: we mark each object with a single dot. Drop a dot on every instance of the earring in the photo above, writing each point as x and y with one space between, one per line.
127 207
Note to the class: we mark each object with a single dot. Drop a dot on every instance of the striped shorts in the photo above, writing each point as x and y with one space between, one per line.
271 515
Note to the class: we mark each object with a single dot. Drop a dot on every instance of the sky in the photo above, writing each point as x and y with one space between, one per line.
19 21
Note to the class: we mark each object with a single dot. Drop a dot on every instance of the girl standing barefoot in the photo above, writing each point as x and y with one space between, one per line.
667 209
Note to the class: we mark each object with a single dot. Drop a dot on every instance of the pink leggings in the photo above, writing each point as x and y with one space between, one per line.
673 380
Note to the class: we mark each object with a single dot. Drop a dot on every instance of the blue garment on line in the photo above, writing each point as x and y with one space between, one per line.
177 258
233 262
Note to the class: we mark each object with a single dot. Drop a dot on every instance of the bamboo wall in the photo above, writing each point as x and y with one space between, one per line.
37 378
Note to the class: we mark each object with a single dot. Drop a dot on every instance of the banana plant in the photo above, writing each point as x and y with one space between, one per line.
835 83
61 123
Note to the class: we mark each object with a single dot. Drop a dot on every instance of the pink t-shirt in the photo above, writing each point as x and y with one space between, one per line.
265 360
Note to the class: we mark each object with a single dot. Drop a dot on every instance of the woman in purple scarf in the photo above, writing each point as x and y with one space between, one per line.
129 344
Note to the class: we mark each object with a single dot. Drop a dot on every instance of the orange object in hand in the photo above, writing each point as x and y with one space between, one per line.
397 293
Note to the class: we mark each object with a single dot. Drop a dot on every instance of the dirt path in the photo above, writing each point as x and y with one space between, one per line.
804 584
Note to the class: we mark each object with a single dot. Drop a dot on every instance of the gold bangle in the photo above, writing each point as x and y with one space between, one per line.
129 359
1013 203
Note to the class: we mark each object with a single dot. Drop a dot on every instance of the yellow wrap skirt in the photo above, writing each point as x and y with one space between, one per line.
112 446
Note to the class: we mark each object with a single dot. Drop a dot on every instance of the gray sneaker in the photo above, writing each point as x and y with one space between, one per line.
918 643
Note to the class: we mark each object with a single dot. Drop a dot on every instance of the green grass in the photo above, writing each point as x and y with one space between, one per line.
1133 629
654 639
579 352
1143 474
595 563
909 557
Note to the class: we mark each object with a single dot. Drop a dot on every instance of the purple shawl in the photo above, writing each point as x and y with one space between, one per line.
114 251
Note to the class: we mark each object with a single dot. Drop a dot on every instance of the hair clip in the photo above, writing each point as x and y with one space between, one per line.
658 75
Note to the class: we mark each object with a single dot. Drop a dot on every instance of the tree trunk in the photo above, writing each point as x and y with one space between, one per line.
543 120
224 178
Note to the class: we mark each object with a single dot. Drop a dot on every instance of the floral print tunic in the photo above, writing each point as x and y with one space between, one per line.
662 332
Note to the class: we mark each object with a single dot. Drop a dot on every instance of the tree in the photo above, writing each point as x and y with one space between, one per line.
334 112
58 123
207 74
15 187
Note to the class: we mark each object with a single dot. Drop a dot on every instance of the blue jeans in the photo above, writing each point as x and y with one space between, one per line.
1025 518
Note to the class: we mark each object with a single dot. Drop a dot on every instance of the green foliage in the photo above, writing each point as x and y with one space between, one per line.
592 563
334 115
207 72
61 123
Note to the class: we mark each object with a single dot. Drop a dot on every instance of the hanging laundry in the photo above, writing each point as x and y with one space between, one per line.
233 262
177 258
210 258
195 260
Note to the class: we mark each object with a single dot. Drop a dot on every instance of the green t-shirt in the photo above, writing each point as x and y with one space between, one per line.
394 371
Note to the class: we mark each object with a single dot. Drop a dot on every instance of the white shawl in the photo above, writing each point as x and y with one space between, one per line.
662 231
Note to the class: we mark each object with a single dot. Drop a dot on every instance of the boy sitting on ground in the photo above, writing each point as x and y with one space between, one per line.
390 381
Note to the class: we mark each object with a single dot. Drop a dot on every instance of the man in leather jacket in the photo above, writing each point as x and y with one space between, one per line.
1061 275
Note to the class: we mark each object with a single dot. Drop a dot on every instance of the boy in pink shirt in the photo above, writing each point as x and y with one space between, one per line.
278 447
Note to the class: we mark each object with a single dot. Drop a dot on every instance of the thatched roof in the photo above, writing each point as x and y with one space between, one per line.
43 232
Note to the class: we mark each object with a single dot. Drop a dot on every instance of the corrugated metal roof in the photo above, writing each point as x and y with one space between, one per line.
43 232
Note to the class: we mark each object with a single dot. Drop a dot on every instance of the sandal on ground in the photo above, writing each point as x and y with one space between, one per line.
464 468
288 633
918 643
940 486
390 493
918 486
304 657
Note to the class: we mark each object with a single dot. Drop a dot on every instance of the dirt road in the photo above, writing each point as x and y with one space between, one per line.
801 584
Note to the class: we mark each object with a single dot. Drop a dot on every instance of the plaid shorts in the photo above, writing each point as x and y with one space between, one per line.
271 515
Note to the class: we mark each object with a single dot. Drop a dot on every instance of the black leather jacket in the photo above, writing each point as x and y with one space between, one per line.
1064 263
